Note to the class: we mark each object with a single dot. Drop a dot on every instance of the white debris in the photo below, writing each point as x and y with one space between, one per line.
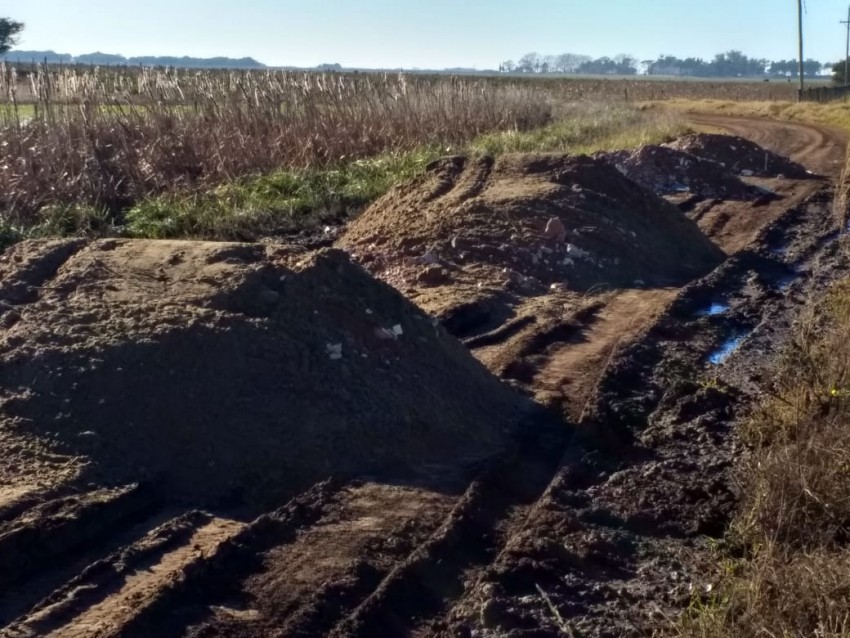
576 252
568 262
385 334
369 311
576 188
334 351
747 172
398 330
555 229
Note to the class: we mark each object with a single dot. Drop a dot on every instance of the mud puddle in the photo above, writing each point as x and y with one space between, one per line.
716 308
727 348
654 479
583 526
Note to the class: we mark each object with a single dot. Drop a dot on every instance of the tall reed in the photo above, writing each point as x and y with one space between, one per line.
108 138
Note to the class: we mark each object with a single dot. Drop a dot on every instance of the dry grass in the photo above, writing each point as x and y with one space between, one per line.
105 140
243 155
788 569
833 114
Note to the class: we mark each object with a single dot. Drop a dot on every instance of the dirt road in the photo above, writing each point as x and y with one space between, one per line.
584 528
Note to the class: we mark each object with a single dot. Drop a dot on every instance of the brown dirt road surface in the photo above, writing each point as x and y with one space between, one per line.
146 496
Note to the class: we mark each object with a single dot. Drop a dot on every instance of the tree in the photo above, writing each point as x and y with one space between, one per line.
529 63
9 30
838 72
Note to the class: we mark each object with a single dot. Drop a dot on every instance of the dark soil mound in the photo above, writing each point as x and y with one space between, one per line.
669 171
544 219
224 369
739 155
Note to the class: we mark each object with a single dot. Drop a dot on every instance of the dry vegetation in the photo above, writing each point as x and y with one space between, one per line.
108 141
646 89
239 155
785 567
832 114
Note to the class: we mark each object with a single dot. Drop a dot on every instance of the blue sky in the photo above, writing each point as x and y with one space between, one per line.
428 33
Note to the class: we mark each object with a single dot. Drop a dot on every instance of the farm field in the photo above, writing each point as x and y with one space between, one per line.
350 355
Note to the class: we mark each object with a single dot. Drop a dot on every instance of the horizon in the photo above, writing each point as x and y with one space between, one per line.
440 35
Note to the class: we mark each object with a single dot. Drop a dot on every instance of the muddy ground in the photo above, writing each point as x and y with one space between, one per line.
583 525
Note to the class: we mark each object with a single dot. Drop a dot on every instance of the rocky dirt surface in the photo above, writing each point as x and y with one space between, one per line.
524 223
739 155
669 171
582 524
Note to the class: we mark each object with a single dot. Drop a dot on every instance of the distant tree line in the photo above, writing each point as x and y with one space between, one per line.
723 65
109 59
571 63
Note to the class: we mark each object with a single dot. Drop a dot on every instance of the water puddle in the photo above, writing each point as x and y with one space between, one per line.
780 249
725 349
784 282
716 308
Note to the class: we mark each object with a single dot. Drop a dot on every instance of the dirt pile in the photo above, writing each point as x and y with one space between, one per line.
739 155
527 223
669 171
226 370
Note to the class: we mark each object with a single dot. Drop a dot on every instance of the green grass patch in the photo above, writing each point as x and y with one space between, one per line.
65 220
283 202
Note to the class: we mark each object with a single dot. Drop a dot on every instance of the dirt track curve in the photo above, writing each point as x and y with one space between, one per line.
585 527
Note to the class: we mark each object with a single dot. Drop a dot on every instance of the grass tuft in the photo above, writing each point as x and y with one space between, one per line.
787 568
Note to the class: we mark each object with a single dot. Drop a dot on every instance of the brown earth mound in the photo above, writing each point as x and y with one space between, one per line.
219 370
739 155
669 171
527 222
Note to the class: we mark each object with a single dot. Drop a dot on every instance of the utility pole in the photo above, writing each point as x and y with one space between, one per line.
800 23
847 55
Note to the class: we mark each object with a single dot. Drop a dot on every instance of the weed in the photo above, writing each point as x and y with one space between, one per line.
791 575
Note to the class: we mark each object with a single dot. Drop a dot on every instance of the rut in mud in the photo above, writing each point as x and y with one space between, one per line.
580 518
